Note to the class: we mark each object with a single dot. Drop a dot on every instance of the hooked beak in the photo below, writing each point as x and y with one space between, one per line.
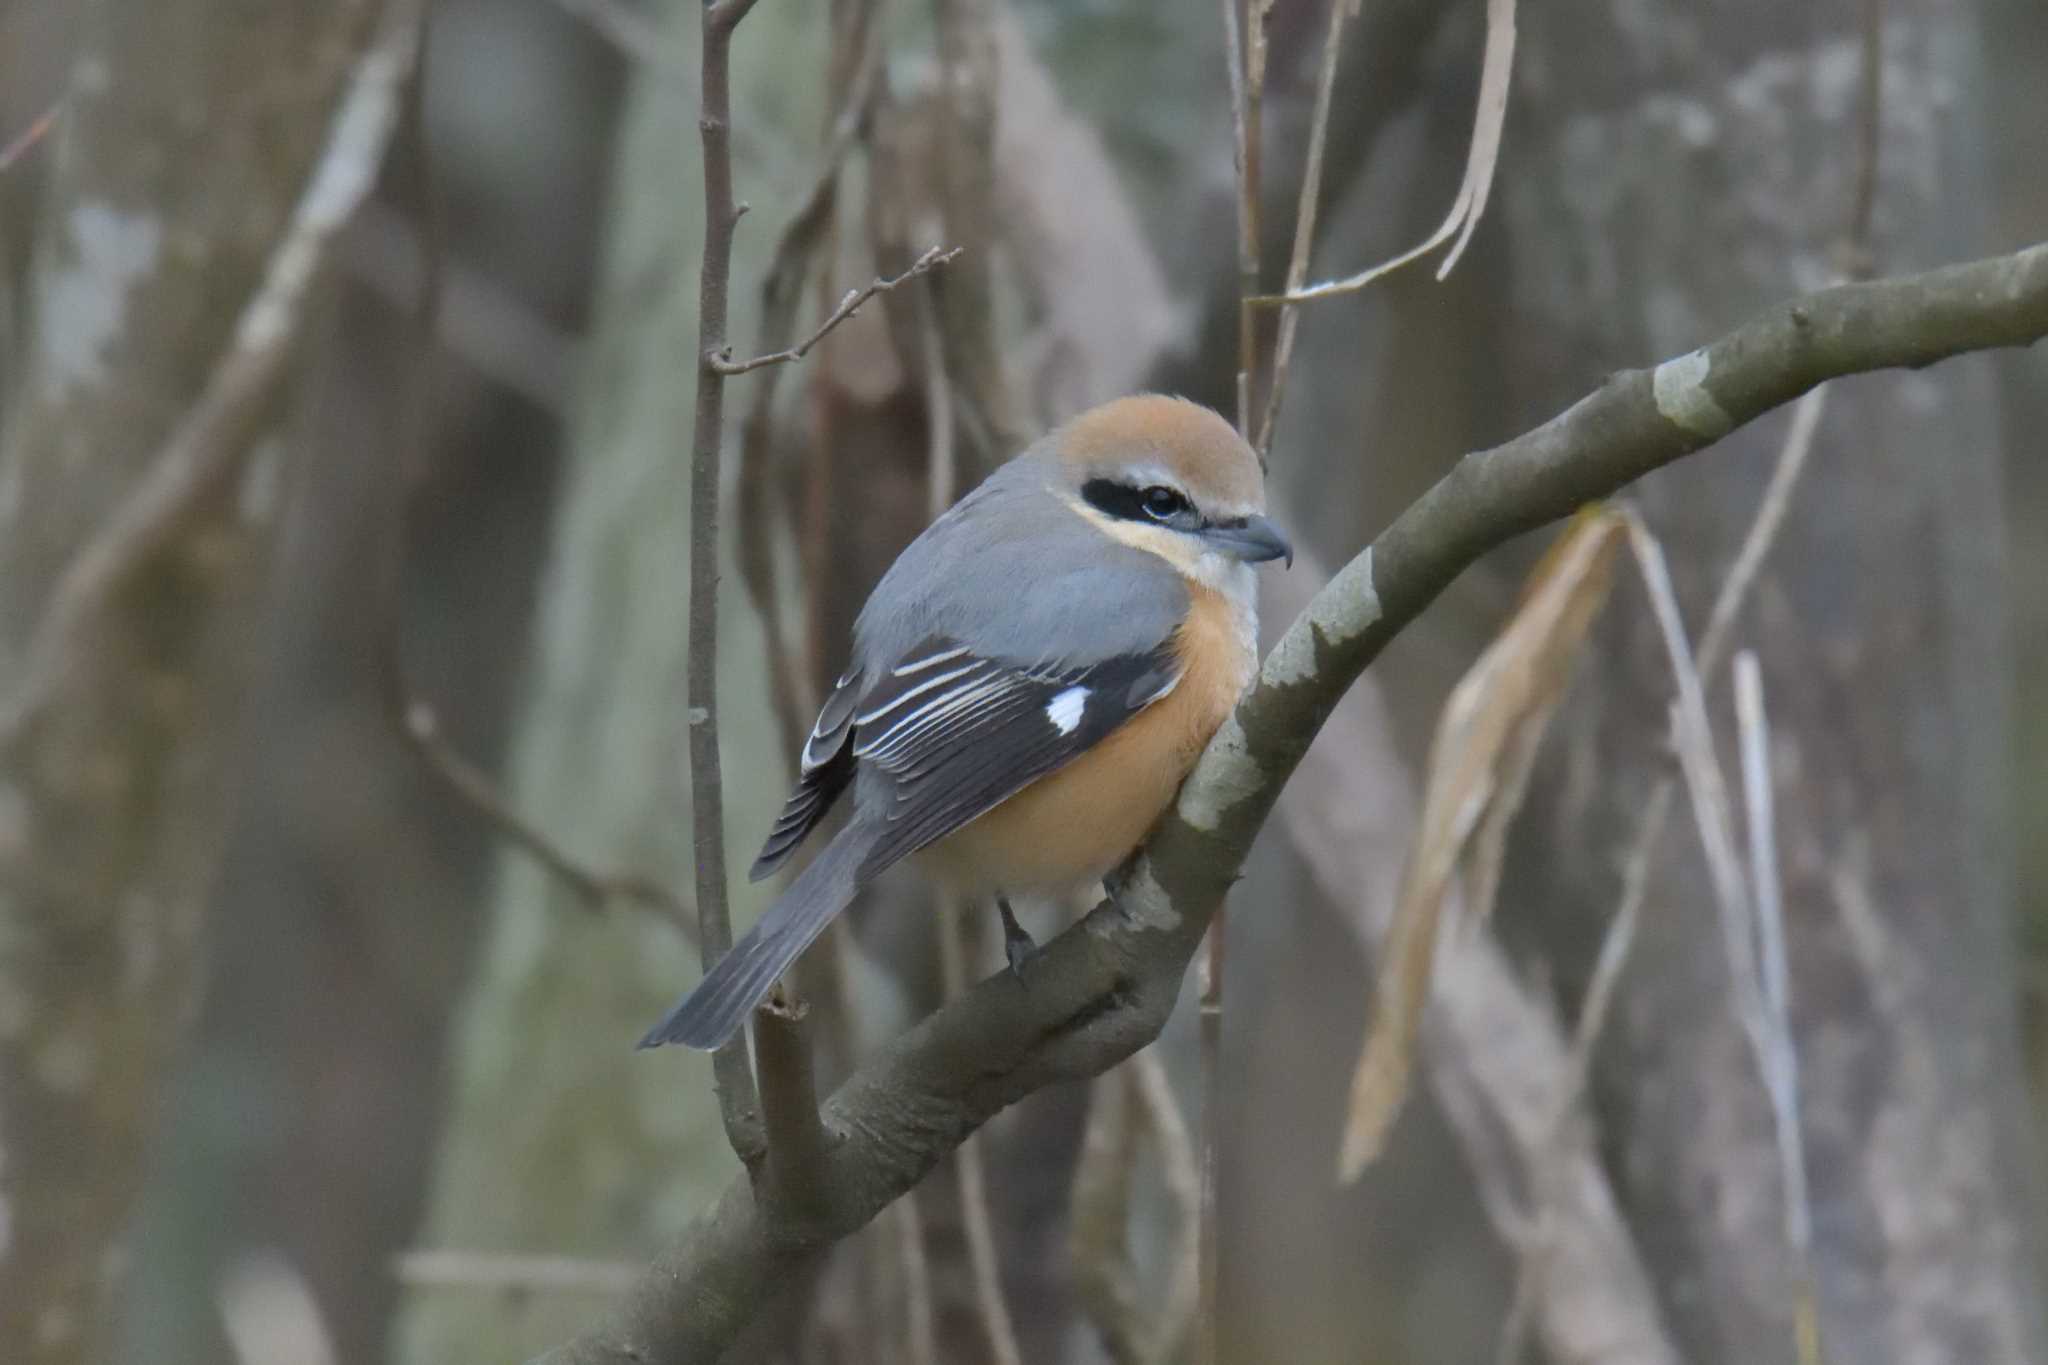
1253 539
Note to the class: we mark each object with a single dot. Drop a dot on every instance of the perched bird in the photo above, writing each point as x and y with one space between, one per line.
1030 682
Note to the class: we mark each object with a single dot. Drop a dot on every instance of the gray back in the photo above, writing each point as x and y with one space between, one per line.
1014 573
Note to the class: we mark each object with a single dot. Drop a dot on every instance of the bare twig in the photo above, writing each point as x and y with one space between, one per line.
1244 46
1496 70
848 306
1778 1057
1860 251
1106 988
416 720
1105 1280
1619 939
734 1080
1693 737
1747 924
799 1149
500 1273
975 1223
596 888
1128 1107
1305 219
1179 1169
210 444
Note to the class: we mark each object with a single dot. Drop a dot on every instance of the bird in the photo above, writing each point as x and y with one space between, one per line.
1028 685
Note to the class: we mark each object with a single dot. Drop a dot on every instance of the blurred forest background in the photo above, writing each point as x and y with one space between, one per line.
302 1060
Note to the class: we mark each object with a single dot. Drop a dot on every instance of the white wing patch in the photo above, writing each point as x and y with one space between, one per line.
1064 710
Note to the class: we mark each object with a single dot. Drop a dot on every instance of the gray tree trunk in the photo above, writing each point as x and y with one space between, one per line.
1662 179
188 135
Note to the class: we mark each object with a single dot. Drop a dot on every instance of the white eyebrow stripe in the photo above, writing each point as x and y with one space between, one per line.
928 661
1065 709
870 717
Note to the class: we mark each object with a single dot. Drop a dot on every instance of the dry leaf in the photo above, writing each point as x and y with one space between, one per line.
1496 68
1479 766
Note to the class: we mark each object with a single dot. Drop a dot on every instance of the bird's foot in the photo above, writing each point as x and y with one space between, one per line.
1018 944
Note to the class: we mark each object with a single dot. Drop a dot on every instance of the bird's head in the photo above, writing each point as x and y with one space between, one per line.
1172 478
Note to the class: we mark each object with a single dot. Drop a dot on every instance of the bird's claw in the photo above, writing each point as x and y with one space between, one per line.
1018 945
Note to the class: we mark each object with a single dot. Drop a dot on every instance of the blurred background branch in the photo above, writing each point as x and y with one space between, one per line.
143 459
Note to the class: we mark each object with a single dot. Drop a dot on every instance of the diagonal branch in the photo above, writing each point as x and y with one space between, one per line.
1105 988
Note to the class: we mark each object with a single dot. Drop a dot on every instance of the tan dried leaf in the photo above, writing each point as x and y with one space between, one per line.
1479 764
1495 71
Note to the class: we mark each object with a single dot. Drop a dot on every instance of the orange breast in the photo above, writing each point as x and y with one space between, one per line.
1067 829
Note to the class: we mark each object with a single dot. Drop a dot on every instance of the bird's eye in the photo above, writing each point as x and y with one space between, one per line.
1161 502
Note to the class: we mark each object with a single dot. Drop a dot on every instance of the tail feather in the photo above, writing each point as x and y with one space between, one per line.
713 1011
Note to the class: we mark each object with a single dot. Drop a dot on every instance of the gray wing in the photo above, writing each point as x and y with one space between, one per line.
991 654
935 754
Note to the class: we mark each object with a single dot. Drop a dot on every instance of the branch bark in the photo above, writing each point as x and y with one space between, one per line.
736 1099
1106 987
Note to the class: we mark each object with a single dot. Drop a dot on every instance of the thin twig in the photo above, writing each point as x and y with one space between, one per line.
975 1224
500 1273
1745 923
1098 1221
416 720
1126 1108
1860 253
848 306
1305 220
210 444
596 888
1243 41
1244 46
1495 73
1779 1058
737 1102
1616 944
1180 1170
1693 734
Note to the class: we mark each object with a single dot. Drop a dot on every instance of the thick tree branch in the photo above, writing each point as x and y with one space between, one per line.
1105 987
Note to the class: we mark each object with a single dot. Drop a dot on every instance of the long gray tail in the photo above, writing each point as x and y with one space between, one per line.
721 1002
